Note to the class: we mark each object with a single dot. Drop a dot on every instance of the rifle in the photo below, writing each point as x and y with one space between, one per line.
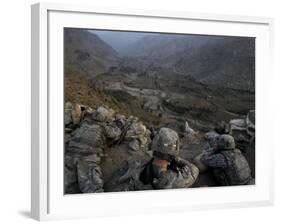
175 163
124 131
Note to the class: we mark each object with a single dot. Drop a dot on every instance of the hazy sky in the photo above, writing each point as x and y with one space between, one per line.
120 40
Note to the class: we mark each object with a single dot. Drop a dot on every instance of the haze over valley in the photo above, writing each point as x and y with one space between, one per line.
162 78
182 82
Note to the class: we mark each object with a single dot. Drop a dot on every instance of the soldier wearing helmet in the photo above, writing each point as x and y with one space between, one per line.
228 164
166 170
85 150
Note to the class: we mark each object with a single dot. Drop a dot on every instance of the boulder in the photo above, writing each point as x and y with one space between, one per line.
103 115
250 122
67 113
188 130
76 114
243 130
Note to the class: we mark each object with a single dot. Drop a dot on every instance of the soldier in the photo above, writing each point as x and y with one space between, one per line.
134 133
228 164
166 170
137 136
86 149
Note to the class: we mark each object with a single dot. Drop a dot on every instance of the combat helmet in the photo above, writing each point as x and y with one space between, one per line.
226 142
166 142
103 115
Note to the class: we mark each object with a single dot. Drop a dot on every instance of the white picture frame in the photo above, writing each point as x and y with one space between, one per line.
48 201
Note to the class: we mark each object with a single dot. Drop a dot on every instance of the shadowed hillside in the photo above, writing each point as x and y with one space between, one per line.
213 60
80 89
164 79
87 52
198 86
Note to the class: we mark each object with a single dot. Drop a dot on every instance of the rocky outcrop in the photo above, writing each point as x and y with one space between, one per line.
101 141
124 145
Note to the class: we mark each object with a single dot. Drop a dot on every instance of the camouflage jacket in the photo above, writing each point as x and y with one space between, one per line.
180 174
230 167
83 155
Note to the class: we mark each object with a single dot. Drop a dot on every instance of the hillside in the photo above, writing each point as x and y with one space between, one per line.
164 79
87 52
80 89
227 62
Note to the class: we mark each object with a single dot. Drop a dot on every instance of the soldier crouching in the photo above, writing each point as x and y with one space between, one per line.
166 170
98 130
228 164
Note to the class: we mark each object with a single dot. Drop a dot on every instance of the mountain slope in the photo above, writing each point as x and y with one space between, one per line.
213 60
120 40
80 88
87 52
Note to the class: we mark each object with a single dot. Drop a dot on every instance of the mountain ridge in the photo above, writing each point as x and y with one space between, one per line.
87 52
212 60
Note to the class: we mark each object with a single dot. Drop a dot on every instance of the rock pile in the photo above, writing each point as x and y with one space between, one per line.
103 149
88 135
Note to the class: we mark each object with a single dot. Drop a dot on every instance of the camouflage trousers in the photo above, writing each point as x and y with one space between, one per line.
82 174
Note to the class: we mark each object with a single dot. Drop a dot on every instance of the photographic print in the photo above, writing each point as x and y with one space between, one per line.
152 111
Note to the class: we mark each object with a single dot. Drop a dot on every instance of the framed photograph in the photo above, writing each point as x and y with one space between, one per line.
148 111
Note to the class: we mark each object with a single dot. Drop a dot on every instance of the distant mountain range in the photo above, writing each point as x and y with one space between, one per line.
120 40
87 52
213 60
220 61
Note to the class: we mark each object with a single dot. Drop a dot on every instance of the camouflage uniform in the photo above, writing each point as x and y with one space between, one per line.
132 149
179 173
137 136
229 165
85 150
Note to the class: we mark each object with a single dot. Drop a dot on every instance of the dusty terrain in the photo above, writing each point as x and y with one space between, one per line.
175 97
165 83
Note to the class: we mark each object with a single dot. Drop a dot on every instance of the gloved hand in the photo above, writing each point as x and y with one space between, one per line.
165 181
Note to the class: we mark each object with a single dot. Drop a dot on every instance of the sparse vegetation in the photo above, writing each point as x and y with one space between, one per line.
188 83
163 81
80 89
